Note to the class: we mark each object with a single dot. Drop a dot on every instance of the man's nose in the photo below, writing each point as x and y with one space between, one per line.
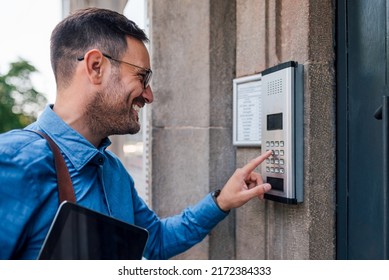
148 95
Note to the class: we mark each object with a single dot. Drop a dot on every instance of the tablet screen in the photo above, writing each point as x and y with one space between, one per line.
78 233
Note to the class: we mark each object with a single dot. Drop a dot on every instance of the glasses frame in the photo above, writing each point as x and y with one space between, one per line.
147 71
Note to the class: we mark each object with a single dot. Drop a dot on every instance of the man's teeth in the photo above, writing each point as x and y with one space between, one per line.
136 108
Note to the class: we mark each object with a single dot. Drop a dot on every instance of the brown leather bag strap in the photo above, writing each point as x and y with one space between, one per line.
65 186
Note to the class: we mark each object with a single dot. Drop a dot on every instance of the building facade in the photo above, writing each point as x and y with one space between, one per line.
198 47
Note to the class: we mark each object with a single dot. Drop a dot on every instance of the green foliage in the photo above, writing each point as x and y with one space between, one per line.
20 103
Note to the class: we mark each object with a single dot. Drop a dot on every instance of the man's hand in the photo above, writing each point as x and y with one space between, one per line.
243 185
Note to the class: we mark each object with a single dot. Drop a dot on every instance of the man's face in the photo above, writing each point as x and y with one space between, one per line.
116 107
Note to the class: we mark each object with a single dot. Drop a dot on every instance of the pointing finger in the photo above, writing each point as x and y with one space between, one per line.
249 167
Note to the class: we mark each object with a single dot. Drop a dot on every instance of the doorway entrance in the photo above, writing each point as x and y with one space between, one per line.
362 153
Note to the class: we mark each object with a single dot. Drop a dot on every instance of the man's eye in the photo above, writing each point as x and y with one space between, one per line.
142 75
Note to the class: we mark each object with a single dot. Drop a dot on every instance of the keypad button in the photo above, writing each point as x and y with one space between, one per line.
282 144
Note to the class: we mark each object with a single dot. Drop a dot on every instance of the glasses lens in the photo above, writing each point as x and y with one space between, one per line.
147 78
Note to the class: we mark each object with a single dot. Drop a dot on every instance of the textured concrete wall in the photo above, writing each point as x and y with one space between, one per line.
270 32
116 5
193 55
198 47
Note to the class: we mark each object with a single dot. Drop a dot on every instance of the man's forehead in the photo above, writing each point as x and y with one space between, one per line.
137 52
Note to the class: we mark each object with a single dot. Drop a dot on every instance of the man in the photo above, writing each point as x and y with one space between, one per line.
102 71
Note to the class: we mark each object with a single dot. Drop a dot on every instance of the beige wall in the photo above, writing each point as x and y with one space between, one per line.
198 47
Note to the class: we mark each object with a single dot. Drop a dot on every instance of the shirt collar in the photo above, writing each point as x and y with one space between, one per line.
76 148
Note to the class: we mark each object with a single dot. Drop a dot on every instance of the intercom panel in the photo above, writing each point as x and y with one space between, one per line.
282 131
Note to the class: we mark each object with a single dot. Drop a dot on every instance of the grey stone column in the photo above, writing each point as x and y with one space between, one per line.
72 5
193 57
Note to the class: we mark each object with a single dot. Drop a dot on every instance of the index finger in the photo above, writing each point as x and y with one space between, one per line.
249 167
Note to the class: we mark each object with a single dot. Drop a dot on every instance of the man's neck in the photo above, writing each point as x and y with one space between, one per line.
76 119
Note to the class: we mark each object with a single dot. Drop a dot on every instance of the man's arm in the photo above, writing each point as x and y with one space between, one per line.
25 183
174 235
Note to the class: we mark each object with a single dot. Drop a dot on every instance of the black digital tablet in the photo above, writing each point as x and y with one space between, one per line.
78 233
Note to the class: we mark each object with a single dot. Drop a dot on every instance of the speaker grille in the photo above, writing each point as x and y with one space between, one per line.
274 87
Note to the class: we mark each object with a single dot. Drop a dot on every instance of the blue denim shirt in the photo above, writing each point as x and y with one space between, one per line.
29 197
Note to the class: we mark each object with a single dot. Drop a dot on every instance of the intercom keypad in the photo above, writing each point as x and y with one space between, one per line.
282 131
276 163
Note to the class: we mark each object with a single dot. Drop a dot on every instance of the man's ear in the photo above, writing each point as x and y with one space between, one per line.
95 66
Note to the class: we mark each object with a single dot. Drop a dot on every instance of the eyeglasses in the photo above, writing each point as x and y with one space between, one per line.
146 74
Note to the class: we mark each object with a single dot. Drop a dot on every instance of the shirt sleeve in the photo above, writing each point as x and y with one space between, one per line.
15 208
171 236
20 199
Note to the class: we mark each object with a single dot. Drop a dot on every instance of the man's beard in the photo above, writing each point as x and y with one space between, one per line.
108 115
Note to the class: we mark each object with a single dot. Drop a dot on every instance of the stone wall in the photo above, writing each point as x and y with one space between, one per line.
193 54
198 47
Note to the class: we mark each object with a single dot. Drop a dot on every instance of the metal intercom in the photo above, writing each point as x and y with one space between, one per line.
282 131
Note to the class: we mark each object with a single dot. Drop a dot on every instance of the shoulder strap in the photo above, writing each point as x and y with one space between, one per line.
65 186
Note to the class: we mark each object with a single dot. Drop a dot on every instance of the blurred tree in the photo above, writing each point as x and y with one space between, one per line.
20 103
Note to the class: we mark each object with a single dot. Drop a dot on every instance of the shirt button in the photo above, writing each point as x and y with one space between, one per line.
100 160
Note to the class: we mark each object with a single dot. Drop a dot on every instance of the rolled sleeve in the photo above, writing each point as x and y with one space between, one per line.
176 234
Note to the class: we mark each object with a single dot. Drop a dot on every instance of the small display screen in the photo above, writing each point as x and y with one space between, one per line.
274 121
276 183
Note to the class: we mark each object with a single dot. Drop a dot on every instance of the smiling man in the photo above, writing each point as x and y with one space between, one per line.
102 69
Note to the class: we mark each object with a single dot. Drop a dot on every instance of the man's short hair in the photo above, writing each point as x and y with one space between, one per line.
85 29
